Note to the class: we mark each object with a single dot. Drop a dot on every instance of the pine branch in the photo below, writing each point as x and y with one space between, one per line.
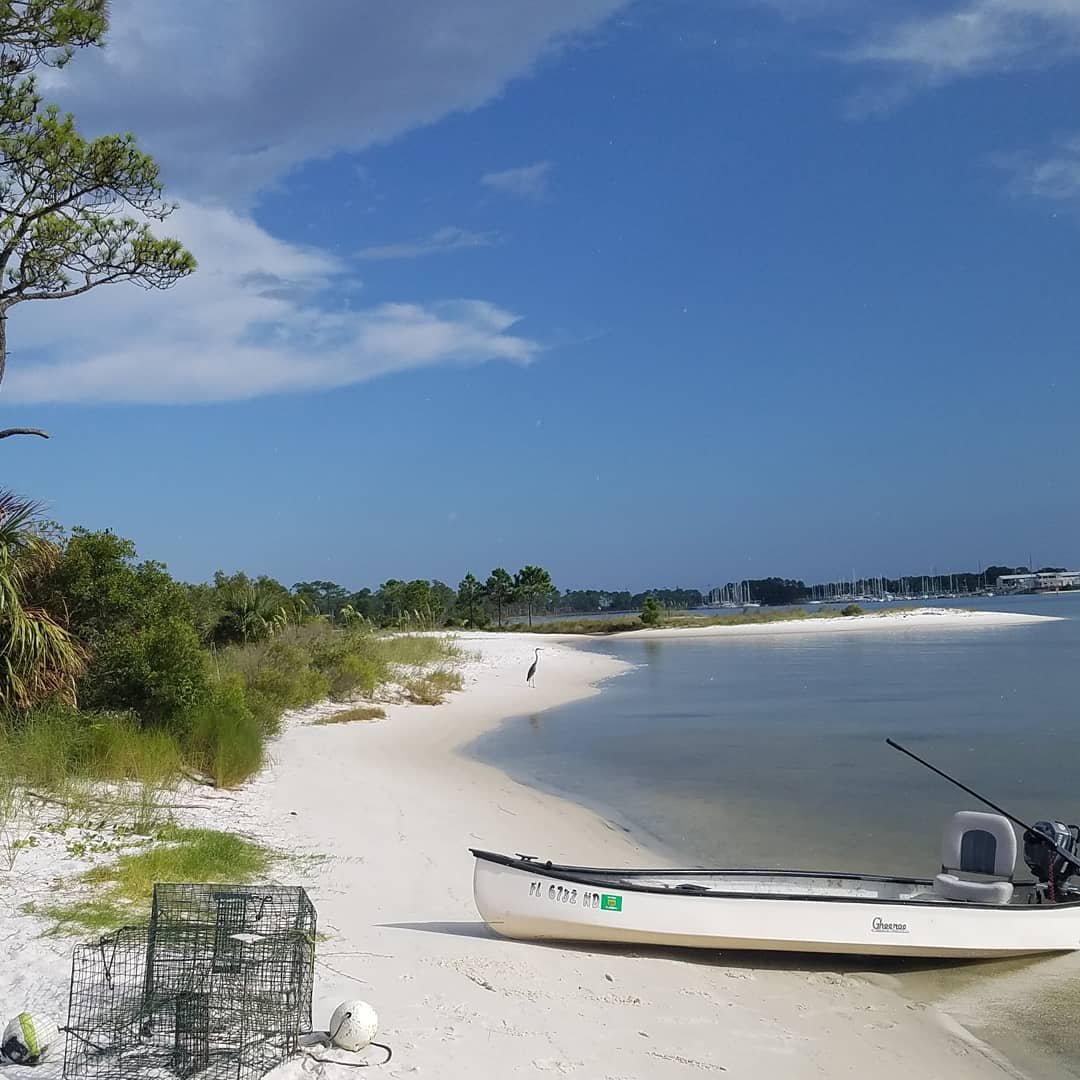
6 433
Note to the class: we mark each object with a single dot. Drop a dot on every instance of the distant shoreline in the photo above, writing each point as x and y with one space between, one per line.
880 621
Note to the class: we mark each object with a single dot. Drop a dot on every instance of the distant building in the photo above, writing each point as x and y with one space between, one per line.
1039 582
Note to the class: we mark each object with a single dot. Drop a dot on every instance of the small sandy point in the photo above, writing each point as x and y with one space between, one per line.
904 619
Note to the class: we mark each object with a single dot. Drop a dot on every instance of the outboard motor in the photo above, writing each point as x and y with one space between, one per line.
1042 860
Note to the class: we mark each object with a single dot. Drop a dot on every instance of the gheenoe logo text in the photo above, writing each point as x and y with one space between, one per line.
881 926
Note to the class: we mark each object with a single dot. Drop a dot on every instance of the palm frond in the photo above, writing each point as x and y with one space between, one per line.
38 657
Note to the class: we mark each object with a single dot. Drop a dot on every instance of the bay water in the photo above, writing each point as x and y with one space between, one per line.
769 751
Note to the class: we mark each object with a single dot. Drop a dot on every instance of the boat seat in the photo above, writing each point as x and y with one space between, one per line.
978 855
951 887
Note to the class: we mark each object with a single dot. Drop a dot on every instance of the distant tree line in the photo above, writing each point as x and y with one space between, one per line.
586 600
237 608
419 602
499 598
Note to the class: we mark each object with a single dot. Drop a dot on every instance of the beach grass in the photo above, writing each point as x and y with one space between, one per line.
361 714
623 623
418 651
122 889
432 687
58 750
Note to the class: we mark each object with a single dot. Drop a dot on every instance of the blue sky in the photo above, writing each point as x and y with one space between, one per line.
648 293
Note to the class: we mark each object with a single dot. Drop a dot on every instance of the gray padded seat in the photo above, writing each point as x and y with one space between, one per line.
978 854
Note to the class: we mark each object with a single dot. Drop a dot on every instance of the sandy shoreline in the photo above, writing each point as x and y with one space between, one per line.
872 622
393 806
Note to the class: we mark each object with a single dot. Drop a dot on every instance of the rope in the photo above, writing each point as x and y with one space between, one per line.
355 1064
351 1064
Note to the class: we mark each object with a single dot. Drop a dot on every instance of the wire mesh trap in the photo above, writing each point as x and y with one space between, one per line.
217 986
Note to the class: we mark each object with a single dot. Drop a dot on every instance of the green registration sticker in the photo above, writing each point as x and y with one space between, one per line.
610 903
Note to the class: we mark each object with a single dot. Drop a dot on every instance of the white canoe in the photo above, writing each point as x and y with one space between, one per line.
786 910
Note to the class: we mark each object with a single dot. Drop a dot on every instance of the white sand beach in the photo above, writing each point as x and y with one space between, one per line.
394 808
902 619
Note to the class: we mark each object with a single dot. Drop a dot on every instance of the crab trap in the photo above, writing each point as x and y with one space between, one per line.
217 986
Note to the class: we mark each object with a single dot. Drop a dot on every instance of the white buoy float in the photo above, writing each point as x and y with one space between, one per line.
28 1038
353 1026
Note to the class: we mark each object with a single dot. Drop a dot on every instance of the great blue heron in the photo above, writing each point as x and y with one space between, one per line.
532 668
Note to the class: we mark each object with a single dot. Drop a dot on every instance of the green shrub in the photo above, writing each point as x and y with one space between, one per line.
160 672
652 613
227 739
287 681
357 673
275 677
852 609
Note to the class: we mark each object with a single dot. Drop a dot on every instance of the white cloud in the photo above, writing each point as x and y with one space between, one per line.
1053 175
979 37
231 96
448 238
526 181
256 319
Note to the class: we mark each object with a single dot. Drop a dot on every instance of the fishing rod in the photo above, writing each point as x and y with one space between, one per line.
1066 855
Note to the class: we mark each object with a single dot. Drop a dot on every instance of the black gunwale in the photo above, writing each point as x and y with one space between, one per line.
620 879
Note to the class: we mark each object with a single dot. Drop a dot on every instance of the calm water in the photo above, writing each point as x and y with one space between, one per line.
770 752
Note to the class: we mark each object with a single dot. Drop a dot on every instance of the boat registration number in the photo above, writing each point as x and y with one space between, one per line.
581 897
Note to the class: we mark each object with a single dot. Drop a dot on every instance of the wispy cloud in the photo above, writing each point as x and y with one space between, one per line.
525 181
1053 174
260 317
976 38
448 238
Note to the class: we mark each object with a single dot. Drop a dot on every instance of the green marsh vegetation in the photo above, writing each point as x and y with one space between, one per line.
659 617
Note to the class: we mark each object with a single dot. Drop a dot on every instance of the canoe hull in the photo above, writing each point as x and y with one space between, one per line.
523 902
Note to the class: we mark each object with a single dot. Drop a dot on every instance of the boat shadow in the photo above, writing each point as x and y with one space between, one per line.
476 929
748 960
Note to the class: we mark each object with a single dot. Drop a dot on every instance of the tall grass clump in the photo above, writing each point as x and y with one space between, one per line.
60 751
119 747
417 651
46 748
52 746
431 687
227 740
